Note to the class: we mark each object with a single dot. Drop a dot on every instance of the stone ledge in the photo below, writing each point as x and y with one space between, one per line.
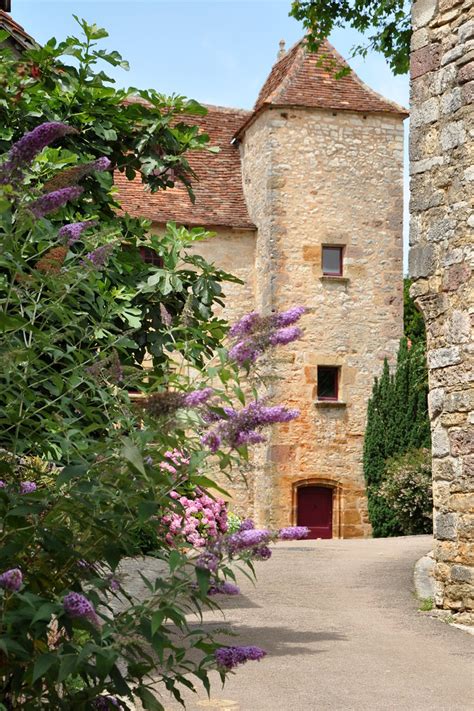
334 279
330 403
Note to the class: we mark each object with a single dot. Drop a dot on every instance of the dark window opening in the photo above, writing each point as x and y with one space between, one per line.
332 261
328 382
149 256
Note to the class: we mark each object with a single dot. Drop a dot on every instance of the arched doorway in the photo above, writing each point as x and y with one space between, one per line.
314 507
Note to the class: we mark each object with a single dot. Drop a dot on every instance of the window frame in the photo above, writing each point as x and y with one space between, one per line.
340 249
330 398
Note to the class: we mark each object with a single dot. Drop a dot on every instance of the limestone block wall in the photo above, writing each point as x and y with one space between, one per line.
441 262
312 178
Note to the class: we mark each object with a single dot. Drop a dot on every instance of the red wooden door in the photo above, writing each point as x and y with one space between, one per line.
315 510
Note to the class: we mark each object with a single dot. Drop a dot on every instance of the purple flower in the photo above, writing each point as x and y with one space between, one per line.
255 333
230 657
244 352
11 579
293 533
24 150
286 318
262 553
211 440
76 605
52 201
207 561
245 325
285 335
71 233
197 397
114 584
246 539
101 164
27 487
241 426
246 525
244 438
224 588
106 703
2 484
98 257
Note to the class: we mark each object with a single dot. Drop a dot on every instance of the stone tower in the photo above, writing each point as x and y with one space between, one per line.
322 172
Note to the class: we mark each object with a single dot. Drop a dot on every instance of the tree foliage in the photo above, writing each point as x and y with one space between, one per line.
407 491
413 322
385 22
397 421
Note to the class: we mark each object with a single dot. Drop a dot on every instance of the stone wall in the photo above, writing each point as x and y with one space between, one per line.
315 177
441 261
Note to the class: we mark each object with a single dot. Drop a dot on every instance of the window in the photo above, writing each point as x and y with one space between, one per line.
332 261
149 256
328 382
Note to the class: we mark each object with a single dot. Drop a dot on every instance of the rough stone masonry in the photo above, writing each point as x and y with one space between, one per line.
441 261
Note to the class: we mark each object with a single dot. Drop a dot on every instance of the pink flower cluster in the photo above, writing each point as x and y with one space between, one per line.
199 519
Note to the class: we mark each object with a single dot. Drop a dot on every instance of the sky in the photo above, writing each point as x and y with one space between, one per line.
215 51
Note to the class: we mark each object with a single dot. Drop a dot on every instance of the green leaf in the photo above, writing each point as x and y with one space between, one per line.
42 664
149 700
132 455
44 613
67 666
157 621
203 577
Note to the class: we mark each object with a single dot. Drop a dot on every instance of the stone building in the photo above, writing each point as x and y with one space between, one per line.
441 262
305 198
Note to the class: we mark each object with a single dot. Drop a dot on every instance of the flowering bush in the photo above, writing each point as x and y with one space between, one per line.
407 491
65 527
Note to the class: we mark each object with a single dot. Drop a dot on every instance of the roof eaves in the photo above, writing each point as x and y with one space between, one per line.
16 31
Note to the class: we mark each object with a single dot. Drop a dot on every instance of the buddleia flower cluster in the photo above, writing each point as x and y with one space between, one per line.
254 334
24 151
237 428
229 657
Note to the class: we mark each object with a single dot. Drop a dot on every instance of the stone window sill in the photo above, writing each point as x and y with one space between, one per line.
334 279
330 403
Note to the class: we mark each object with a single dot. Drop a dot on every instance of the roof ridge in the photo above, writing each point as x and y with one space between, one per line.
298 50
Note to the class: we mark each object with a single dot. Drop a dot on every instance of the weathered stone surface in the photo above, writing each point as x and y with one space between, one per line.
421 260
422 12
442 357
441 264
425 59
452 135
445 526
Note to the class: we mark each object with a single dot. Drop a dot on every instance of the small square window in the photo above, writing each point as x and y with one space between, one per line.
328 382
332 261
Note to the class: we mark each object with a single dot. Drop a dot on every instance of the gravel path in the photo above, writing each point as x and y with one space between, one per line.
341 626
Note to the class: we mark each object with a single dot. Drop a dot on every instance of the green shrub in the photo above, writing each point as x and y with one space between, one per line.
407 491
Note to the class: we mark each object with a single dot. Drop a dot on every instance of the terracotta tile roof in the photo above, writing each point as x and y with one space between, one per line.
18 34
218 189
297 79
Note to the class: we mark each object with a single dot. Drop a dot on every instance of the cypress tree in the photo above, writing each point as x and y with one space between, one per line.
397 420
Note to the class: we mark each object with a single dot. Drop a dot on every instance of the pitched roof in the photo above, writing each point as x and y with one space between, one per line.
16 31
308 79
218 188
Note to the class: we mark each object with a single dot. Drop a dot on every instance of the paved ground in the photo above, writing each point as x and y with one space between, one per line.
341 626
